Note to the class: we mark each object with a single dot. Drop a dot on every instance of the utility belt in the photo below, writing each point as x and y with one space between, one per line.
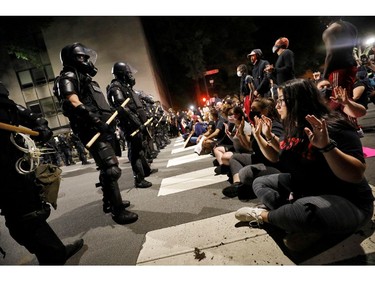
41 214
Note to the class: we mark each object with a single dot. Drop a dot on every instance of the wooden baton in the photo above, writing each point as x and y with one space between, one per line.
24 130
110 119
145 124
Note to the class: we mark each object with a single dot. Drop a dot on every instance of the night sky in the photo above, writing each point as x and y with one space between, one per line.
226 40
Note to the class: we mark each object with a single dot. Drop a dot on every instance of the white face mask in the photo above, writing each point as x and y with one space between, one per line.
239 73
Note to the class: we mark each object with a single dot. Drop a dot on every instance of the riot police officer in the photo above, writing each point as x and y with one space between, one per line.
87 109
132 117
24 210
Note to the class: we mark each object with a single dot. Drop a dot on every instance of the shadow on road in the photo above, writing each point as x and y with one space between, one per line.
349 243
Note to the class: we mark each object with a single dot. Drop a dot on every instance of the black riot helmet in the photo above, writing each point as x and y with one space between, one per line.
123 72
79 57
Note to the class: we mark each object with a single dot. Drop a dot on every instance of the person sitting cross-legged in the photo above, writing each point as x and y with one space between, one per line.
322 192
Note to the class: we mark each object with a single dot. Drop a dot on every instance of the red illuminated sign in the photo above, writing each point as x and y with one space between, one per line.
210 72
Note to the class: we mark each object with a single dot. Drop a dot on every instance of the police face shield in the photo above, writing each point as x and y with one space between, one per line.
89 54
86 59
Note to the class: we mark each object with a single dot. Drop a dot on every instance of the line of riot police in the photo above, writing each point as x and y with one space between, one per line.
90 113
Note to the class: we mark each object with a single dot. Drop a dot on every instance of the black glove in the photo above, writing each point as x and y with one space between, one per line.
92 118
45 134
102 127
122 112
41 126
142 128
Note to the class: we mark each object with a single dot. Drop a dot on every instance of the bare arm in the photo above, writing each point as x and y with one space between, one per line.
351 108
74 100
270 148
344 166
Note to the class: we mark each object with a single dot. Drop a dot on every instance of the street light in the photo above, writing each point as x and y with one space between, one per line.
370 41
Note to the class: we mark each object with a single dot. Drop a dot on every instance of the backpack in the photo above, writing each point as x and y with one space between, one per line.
48 178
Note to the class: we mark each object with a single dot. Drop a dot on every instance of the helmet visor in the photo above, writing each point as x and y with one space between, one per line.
92 54
132 69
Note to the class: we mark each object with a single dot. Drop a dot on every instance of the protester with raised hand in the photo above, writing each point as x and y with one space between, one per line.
322 190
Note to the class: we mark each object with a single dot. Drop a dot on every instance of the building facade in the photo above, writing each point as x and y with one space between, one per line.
113 38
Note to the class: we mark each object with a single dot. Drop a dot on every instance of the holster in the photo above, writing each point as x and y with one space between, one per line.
41 214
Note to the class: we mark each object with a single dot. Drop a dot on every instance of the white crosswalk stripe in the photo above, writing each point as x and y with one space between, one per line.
181 149
186 159
190 181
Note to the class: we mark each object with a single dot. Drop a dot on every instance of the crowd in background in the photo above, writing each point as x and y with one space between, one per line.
293 144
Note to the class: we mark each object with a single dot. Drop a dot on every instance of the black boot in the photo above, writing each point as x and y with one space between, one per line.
123 216
232 190
152 171
107 206
112 195
222 169
139 181
73 248
245 192
143 184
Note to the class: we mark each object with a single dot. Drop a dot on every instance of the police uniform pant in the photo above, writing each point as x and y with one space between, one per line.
38 238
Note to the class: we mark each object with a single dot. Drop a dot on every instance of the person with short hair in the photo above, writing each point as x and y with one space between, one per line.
261 80
284 66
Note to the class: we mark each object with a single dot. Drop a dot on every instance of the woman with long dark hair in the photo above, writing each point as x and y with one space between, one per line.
322 189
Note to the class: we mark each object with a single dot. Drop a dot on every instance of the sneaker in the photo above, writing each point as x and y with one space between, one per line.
143 184
298 242
125 217
232 190
251 215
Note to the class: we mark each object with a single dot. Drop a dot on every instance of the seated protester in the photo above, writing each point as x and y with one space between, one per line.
339 95
245 167
362 88
240 137
198 128
189 127
225 140
346 105
322 192
216 134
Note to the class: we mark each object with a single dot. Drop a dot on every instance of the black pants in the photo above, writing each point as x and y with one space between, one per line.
321 213
138 161
38 238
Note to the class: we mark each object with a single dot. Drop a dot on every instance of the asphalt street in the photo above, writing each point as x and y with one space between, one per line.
183 207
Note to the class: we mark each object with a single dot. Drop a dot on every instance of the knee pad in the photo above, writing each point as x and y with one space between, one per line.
109 174
105 155
141 153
